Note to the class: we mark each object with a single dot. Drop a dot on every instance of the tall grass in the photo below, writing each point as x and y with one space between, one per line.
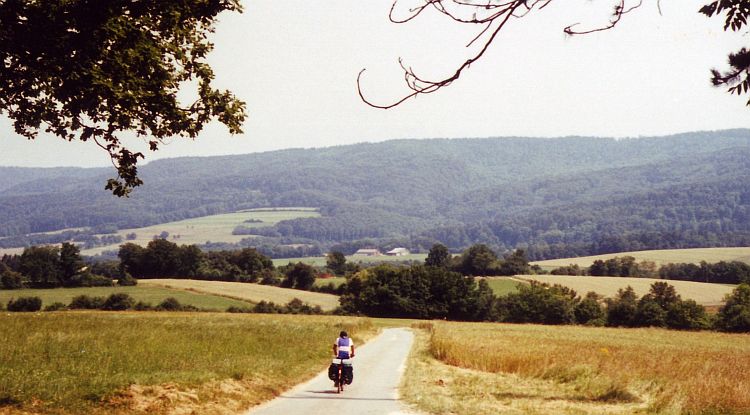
82 362
674 371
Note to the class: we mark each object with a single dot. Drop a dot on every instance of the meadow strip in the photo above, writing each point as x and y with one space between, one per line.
247 291
660 256
690 372
703 293
76 362
148 294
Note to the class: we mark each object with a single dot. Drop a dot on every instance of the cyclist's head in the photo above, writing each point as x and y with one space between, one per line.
343 334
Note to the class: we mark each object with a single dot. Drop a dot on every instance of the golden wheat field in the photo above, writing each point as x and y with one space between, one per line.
658 371
247 292
703 293
660 256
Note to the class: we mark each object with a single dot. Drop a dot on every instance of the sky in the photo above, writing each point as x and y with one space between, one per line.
295 64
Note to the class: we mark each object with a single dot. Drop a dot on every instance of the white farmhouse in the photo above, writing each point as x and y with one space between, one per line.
398 252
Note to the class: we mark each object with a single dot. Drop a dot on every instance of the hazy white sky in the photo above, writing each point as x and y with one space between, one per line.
295 63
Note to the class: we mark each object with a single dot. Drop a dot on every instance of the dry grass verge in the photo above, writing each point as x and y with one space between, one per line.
583 370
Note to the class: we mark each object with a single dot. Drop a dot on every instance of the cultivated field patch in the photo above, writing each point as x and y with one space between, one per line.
320 261
660 257
703 293
503 285
470 368
148 294
159 363
247 292
213 228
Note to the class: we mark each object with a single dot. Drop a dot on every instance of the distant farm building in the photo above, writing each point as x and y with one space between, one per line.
368 252
398 252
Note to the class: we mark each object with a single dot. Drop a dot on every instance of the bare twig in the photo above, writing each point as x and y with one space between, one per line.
493 15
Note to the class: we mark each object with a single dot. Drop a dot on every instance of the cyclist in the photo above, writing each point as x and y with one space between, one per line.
343 347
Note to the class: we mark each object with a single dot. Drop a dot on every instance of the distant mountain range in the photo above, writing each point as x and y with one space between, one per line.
553 196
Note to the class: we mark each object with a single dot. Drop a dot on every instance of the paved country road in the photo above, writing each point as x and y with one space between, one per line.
378 366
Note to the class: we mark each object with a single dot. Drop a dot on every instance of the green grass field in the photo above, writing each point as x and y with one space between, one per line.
503 285
660 257
141 292
336 281
159 363
247 292
214 228
703 293
320 261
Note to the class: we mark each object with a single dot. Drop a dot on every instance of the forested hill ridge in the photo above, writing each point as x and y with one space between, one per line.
556 196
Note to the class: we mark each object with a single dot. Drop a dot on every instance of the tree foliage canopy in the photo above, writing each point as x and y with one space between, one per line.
91 70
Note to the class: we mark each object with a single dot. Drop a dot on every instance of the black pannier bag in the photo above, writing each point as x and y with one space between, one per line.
348 374
333 371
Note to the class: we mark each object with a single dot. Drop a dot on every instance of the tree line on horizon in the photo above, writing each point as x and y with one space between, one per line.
443 287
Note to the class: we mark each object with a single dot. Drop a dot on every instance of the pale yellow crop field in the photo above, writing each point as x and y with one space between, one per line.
533 369
320 261
702 293
11 251
248 292
660 257
213 228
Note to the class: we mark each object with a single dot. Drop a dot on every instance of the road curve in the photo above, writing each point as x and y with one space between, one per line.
378 366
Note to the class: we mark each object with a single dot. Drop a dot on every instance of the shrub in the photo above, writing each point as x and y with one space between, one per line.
57 306
267 308
118 302
169 304
25 304
538 303
687 315
235 309
735 315
649 313
87 279
84 302
621 310
589 311
11 280
270 277
126 280
141 306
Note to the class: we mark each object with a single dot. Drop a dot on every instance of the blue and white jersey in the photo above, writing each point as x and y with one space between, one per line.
344 345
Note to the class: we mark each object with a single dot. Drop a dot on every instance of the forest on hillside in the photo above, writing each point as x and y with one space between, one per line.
555 197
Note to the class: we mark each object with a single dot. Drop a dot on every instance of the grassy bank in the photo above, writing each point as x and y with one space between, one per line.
503 285
144 363
247 292
147 294
543 369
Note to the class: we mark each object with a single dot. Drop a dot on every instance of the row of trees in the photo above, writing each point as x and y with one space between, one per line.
165 259
432 292
50 267
123 301
723 272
